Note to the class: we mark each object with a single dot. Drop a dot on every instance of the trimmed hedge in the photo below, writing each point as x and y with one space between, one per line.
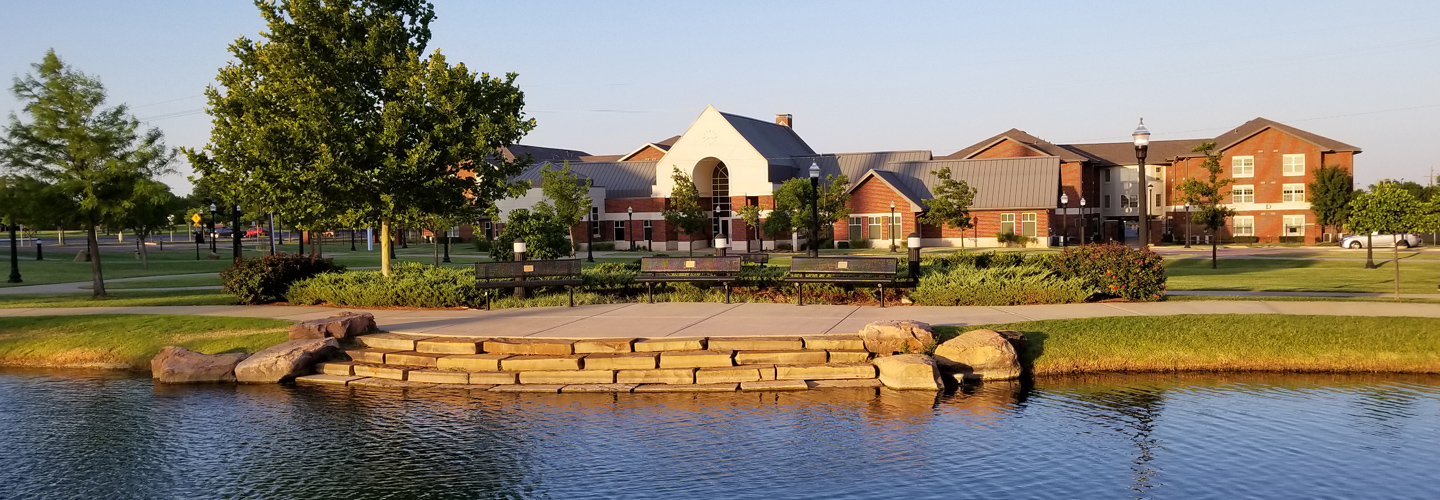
999 286
258 280
410 284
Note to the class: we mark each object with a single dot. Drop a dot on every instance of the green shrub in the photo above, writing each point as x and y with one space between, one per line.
998 286
482 245
603 246
1012 238
1114 270
610 276
410 284
783 246
266 279
1246 239
860 243
545 237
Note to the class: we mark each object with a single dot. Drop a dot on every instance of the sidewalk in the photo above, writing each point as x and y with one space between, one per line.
707 319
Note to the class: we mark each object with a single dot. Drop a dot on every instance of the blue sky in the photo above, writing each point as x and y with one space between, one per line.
605 77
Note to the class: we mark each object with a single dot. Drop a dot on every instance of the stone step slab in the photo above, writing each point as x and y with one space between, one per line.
533 388
396 341
462 387
494 378
674 376
775 385
795 357
755 344
385 383
342 368
471 362
533 363
834 342
531 347
413 358
670 344
450 345
845 383
379 371
568 377
696 359
767 372
727 375
848 356
369 354
824 372
325 379
582 388
687 388
439 377
621 361
598 346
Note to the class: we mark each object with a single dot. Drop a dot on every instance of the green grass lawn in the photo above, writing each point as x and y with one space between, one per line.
1228 342
127 341
119 298
163 282
1300 275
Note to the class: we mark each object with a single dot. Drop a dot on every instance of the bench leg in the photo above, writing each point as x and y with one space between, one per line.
800 293
571 289
882 295
650 293
727 293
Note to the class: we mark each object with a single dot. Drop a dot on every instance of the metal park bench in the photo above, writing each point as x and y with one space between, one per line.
755 258
529 274
723 270
878 271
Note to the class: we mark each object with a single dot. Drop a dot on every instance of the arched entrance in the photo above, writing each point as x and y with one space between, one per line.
720 200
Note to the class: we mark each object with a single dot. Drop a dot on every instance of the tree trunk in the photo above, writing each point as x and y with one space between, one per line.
435 242
144 254
62 236
93 245
385 248
1214 242
1369 251
1395 260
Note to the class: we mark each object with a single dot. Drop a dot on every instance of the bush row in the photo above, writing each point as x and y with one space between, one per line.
266 279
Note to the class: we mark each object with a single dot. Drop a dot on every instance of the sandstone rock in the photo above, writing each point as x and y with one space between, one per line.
530 347
780 357
775 385
597 346
621 361
449 345
755 343
824 372
326 379
909 371
979 355
494 378
439 377
568 377
892 336
834 342
369 355
599 388
534 363
670 344
696 359
284 361
537 388
343 325
178 365
849 356
863 383
662 376
734 374
378 371
687 388
393 341
412 358
471 362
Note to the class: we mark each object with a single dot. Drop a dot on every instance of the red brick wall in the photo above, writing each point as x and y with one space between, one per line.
873 197
1007 148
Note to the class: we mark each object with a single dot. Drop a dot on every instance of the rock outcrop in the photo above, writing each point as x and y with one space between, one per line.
343 325
909 371
178 365
284 361
892 336
980 355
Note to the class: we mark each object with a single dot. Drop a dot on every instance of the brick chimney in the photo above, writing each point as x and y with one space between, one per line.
784 120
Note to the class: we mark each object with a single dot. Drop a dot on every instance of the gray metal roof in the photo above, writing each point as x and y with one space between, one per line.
1030 182
853 165
621 179
771 140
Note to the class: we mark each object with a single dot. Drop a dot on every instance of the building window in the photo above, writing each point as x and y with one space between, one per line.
1294 225
594 224
1242 166
1027 224
855 227
1243 226
1124 201
619 231
1293 164
1106 202
874 228
1107 175
1007 223
1157 201
1242 194
648 235
1293 192
720 190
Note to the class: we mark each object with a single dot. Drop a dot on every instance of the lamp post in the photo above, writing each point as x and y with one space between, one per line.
15 256
590 237
1187 224
519 249
212 228
352 239
1084 224
721 242
630 227
814 209
271 235
238 247
1064 219
171 219
1142 146
892 226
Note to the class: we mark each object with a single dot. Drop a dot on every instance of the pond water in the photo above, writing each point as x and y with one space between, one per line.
98 435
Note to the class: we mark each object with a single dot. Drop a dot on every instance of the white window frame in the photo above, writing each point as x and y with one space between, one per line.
857 226
1245 229
1290 221
1242 166
1028 225
1292 193
1291 165
1249 197
1007 219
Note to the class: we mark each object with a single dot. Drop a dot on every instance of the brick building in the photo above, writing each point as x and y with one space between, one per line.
1019 180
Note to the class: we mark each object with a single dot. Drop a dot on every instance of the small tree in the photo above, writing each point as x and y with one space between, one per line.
1329 196
567 198
148 213
951 204
684 211
1389 209
792 206
1208 198
544 237
751 215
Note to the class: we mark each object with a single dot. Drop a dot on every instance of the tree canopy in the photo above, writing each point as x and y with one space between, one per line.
951 204
792 206
684 211
1389 208
1207 196
1329 196
567 198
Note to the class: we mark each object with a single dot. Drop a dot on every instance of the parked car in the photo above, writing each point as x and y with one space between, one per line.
255 232
1381 240
222 231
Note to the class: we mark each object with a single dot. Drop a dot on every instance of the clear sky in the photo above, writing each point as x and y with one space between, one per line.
606 77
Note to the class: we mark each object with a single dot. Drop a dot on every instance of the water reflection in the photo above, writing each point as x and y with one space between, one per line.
69 434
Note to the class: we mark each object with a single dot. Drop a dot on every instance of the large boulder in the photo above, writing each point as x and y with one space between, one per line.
909 371
178 365
284 361
980 355
892 336
343 325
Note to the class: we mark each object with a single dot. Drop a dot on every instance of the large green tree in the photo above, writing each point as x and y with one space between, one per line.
1329 196
792 206
338 116
150 208
91 154
567 198
1207 196
684 211
1389 209
951 204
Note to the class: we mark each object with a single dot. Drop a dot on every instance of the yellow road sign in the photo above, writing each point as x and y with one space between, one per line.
195 218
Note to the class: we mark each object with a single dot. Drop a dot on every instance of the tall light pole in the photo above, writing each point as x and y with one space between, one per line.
630 227
590 237
892 226
1064 219
445 259
1187 224
1084 224
238 245
1142 146
15 256
212 228
814 209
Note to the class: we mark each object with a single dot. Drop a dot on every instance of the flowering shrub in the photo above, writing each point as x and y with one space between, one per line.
266 279
1114 271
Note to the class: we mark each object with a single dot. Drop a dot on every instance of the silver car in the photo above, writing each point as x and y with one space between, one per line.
1380 240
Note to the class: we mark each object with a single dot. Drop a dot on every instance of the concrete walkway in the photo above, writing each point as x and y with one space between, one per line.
706 319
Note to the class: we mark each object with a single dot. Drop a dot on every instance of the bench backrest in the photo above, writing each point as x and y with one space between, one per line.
845 265
527 268
690 265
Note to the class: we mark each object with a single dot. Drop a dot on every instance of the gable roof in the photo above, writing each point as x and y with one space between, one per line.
629 179
1110 154
853 165
896 184
1249 129
772 141
1035 143
1028 182
540 154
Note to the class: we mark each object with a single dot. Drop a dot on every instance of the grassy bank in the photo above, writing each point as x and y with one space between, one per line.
1228 342
127 341
119 298
1301 275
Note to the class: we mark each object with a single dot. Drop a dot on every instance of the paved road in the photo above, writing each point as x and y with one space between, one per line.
705 319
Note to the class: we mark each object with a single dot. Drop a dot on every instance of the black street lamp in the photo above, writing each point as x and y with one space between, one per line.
892 226
1084 224
445 259
1187 224
212 228
14 257
814 209
590 237
1142 145
352 240
235 241
1064 219
630 228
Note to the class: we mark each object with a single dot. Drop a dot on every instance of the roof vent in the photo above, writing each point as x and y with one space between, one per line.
784 120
